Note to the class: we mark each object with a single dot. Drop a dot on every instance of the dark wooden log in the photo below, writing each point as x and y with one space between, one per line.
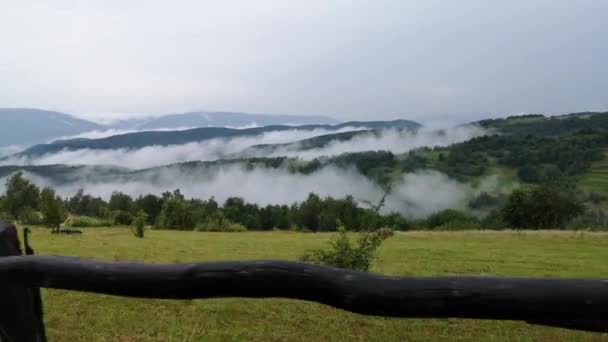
20 306
573 303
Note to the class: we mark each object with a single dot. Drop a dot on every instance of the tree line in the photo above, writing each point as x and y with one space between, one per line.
540 207
23 201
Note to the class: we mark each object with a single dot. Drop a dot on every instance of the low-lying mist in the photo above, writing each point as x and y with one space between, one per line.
416 195
395 141
388 140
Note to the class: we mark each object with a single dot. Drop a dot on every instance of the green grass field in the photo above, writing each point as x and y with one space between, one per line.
74 316
596 180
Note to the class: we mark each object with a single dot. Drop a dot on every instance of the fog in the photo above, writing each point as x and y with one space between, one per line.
388 140
105 133
10 150
152 156
416 195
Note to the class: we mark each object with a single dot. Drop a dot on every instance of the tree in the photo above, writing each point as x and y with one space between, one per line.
151 205
52 209
82 204
120 201
541 208
139 223
20 195
176 212
309 212
528 174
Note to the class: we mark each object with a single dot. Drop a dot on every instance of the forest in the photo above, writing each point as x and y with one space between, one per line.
540 207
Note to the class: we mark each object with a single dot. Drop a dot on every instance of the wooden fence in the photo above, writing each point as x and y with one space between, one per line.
569 303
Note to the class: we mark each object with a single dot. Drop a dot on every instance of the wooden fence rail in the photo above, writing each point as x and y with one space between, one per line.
572 303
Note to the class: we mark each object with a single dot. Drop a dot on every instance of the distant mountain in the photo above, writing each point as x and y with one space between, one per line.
541 125
219 119
303 145
24 126
165 138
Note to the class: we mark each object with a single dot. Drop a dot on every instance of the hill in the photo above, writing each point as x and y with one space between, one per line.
165 138
563 153
27 126
219 119
24 126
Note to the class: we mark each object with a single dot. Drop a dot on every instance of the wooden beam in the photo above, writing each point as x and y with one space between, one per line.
20 306
573 303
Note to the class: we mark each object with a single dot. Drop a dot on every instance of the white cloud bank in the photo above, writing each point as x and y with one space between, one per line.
416 195
388 140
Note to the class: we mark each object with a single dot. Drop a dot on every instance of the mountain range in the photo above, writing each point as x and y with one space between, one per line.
568 151
218 119
27 126
23 126
143 139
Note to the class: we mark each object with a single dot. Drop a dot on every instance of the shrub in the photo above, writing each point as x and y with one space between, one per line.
460 225
597 198
494 220
483 200
31 217
591 220
122 218
451 219
6 217
220 225
88 221
343 253
541 208
139 223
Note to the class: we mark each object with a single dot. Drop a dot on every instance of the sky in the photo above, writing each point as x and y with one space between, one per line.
427 60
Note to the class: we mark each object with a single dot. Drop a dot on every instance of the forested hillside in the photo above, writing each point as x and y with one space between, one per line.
523 165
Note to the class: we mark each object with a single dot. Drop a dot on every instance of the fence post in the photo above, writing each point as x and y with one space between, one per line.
20 308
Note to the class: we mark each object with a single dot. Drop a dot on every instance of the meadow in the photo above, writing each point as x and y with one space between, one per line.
74 316
596 179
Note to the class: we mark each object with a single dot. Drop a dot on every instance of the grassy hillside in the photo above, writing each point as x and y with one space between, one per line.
596 179
72 316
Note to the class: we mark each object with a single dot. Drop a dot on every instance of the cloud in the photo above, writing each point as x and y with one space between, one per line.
353 59
386 140
10 150
416 195
162 155
105 133
423 193
389 140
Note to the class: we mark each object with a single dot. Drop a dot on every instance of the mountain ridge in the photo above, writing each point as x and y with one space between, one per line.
219 119
137 140
26 126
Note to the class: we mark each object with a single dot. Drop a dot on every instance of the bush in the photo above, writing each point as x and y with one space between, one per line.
494 220
139 223
591 220
482 201
31 217
223 225
597 198
122 218
541 208
6 217
451 219
88 221
343 254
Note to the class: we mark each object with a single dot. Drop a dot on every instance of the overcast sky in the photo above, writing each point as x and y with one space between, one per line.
429 60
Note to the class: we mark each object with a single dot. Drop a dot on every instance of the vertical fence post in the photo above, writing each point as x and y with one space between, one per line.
20 308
